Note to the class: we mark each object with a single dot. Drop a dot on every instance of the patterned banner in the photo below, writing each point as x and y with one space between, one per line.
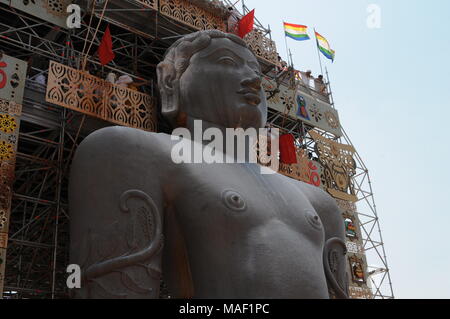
302 106
12 80
354 248
358 269
186 12
357 261
339 166
346 206
197 17
360 293
359 277
12 83
305 170
53 11
262 46
2 270
85 93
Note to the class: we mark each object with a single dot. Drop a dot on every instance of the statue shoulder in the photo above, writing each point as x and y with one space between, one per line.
326 207
126 143
319 198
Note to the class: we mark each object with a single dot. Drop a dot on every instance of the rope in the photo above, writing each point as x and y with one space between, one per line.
89 27
95 34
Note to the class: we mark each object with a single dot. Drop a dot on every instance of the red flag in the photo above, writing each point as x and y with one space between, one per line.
105 50
288 154
246 24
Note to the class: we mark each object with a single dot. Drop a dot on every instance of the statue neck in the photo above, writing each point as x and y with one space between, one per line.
232 143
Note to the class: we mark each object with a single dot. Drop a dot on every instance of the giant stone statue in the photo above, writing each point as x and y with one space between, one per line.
207 230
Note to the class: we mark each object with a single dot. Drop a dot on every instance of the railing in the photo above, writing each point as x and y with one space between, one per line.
187 13
152 4
324 97
200 19
197 15
262 46
85 93
312 90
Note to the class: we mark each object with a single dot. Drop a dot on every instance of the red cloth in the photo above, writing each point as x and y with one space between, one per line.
3 76
105 50
288 153
246 24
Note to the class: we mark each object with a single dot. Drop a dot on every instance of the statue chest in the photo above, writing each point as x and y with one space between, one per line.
259 230
238 196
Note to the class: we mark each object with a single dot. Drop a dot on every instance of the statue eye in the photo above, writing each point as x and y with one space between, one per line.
258 72
255 67
227 61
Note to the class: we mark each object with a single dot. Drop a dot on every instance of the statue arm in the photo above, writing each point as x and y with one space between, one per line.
116 210
334 254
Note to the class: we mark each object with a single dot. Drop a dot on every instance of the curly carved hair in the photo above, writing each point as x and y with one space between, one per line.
181 52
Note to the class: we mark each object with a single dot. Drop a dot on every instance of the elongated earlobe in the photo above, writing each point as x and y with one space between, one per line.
334 266
170 91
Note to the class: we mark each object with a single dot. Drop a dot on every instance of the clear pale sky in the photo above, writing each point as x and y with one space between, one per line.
392 90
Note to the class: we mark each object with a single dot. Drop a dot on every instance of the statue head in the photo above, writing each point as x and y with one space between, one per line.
212 76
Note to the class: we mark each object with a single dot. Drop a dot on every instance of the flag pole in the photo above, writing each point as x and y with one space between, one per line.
292 60
287 48
318 52
329 89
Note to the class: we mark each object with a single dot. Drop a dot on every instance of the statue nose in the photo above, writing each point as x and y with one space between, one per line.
253 83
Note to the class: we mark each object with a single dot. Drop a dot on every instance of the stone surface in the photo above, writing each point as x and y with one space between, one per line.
210 230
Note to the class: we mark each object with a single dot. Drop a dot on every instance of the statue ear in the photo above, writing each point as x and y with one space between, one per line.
169 88
335 267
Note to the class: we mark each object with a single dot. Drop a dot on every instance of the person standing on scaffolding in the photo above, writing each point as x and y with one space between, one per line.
320 86
233 20
306 78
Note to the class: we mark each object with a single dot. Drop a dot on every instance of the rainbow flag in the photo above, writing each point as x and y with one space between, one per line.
296 31
324 47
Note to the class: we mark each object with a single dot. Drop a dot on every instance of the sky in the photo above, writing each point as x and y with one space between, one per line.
391 86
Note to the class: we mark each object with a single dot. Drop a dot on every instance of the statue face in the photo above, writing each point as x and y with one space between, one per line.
222 85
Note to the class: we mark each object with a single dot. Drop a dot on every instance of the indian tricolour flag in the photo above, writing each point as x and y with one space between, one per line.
296 31
324 47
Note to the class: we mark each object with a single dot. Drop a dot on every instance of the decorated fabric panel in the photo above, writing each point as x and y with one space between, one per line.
351 222
357 266
358 269
300 105
262 46
88 94
339 167
53 11
304 170
12 83
360 292
188 13
12 79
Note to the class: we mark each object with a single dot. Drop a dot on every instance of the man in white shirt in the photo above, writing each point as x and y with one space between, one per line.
307 77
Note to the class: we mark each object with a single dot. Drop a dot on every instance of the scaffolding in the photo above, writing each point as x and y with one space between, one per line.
37 252
370 244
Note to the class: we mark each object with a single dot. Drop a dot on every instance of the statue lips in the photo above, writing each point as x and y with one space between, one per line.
251 96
